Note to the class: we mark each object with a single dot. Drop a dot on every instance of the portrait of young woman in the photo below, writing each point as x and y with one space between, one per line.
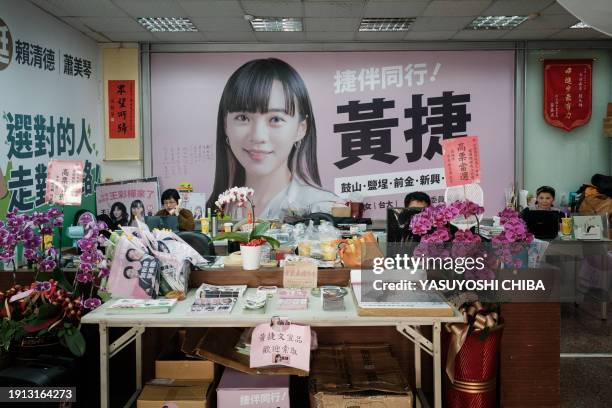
267 140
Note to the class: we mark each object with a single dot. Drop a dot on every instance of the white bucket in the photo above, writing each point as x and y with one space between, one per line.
251 257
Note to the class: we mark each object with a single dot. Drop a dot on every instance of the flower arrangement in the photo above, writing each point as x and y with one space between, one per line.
243 197
51 307
433 225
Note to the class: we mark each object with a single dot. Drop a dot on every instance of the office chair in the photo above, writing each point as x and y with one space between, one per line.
198 241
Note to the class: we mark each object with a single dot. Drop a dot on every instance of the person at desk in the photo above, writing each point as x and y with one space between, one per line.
417 199
170 199
545 198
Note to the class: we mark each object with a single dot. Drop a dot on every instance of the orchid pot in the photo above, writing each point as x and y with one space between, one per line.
251 256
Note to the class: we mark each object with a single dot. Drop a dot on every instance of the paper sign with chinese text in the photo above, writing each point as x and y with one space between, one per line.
300 275
121 109
461 161
64 182
284 344
567 92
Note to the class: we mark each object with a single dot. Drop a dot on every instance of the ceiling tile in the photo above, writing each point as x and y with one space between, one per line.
109 24
456 8
240 36
223 8
395 8
151 8
576 34
516 7
179 37
440 23
85 8
274 8
330 36
429 35
334 9
130 37
280 37
54 9
222 24
76 22
554 8
97 37
331 24
521 34
480 35
380 36
552 21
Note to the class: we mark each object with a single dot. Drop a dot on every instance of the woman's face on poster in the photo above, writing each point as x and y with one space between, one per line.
262 141
137 210
117 212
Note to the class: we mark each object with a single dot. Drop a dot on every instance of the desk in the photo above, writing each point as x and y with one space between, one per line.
180 316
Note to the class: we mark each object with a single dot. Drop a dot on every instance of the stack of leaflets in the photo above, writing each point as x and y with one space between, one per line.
333 298
217 299
227 291
292 299
123 306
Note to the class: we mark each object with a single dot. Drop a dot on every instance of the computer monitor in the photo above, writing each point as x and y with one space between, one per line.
398 224
543 224
162 222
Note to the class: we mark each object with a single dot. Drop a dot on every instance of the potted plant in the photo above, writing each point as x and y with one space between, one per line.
471 348
252 240
47 312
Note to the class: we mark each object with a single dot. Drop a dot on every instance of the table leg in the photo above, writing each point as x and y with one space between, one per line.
104 357
139 362
417 367
437 366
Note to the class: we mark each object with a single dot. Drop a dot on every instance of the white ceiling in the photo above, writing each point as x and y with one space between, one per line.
324 20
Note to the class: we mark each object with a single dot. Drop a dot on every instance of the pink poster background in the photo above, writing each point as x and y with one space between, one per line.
186 88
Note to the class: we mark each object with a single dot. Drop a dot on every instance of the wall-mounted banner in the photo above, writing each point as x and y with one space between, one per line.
125 201
49 105
121 109
461 161
567 92
64 182
305 129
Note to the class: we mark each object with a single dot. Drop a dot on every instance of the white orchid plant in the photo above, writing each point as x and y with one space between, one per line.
243 197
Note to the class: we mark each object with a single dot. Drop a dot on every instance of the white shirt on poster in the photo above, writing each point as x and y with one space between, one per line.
298 195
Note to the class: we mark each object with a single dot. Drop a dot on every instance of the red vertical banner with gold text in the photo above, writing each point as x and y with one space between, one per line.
567 92
121 109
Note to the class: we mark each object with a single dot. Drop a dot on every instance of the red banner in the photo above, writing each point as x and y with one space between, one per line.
567 92
461 160
121 109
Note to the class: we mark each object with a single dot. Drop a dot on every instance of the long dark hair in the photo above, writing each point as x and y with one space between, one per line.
136 204
248 90
124 215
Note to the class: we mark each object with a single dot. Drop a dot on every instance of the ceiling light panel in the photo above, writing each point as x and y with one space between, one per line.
275 24
496 22
167 24
386 24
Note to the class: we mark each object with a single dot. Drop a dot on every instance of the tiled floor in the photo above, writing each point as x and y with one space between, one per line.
586 382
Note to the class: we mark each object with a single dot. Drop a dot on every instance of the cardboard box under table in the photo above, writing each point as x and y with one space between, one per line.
238 389
176 362
357 376
175 394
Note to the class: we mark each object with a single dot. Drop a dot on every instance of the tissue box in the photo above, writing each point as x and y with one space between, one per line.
237 389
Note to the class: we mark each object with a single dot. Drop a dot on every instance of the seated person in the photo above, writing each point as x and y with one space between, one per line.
545 198
170 199
417 199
